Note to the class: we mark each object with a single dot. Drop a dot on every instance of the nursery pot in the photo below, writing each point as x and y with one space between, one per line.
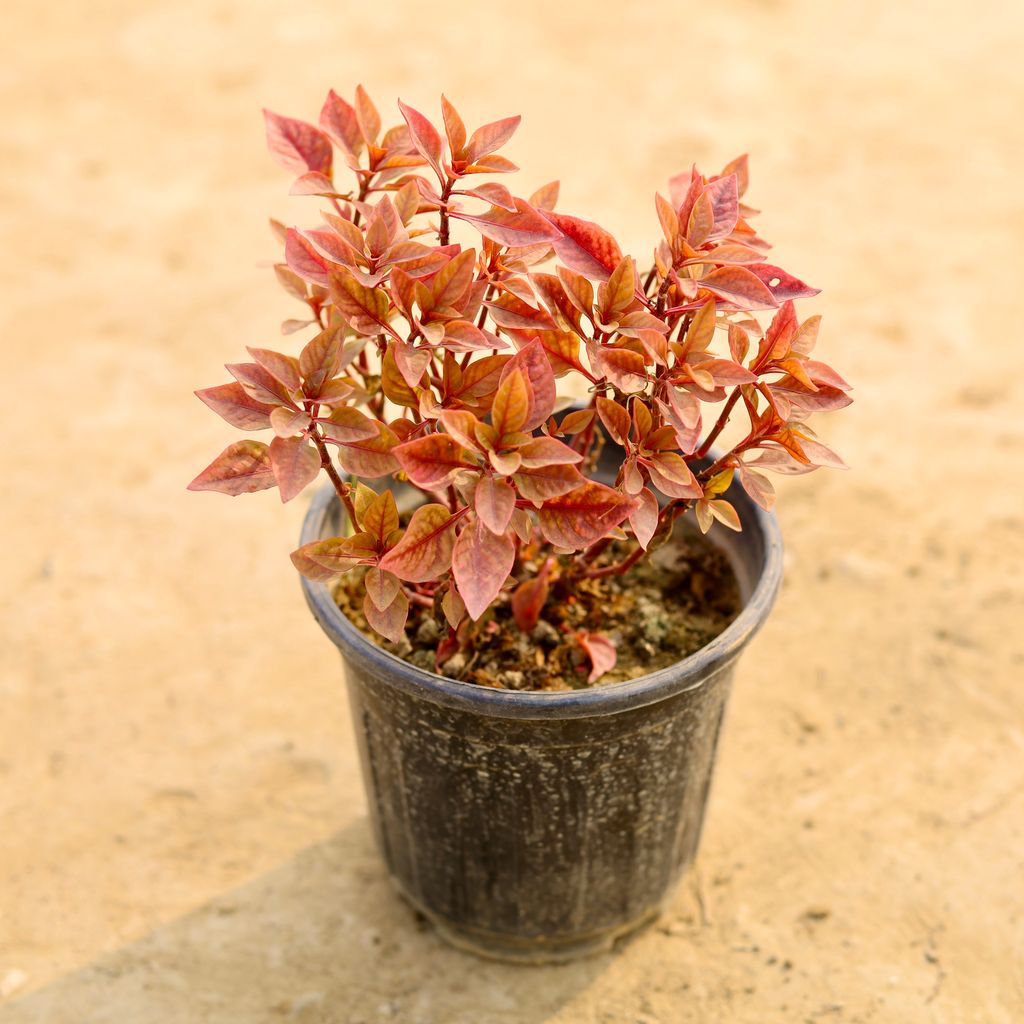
539 827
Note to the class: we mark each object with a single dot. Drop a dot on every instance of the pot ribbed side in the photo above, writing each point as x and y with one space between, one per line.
541 826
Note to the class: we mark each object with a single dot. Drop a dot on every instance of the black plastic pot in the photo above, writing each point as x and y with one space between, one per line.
539 827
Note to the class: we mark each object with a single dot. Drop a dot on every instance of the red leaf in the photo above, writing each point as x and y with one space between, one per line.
511 405
314 184
782 286
381 587
231 402
304 259
545 482
725 204
585 246
324 560
622 366
577 421
338 119
289 422
296 145
453 281
260 384
529 598
524 227
494 501
644 518
425 550
576 520
546 451
241 468
740 169
739 286
372 457
432 462
601 652
491 137
347 425
365 309
615 420
281 367
481 563
672 476
295 463
379 519
389 622
367 116
758 486
545 197
425 136
454 128
532 362
320 360
495 194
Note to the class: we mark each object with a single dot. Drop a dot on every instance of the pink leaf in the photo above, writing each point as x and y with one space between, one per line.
586 514
389 622
241 468
381 587
585 247
545 482
533 364
432 462
601 652
782 286
425 550
295 463
481 563
371 457
739 286
546 451
425 136
524 227
758 486
347 425
281 367
324 560
296 145
672 476
339 120
304 259
494 501
260 384
725 204
231 402
644 518
491 137
495 194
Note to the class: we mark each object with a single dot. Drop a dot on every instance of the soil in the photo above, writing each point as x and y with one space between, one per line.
658 612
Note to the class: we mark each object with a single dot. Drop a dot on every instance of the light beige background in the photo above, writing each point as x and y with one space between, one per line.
182 828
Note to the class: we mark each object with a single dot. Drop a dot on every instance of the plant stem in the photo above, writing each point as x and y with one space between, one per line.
618 568
719 425
340 487
442 235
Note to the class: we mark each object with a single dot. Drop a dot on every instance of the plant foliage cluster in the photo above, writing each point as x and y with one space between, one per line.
440 364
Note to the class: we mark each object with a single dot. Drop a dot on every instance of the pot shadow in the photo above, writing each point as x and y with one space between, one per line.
322 939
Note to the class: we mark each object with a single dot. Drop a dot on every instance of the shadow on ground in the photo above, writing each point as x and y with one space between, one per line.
322 938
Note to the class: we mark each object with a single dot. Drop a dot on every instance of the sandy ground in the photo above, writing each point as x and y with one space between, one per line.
183 834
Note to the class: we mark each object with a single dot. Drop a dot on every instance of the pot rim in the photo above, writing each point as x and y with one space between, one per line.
607 699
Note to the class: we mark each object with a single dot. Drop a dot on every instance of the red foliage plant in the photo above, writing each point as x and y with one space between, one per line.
438 364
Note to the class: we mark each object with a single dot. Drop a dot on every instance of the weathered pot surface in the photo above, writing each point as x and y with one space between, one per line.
540 827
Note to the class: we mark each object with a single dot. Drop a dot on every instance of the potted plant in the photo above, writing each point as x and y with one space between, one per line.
518 434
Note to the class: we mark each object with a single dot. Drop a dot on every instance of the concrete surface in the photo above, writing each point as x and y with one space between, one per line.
182 830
